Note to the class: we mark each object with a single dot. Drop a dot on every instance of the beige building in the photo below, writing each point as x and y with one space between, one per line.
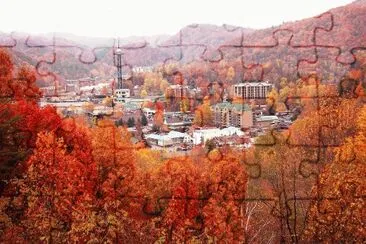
228 114
252 90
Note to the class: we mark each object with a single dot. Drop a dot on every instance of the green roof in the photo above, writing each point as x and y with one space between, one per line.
237 106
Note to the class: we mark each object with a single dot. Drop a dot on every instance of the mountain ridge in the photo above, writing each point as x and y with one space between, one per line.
346 33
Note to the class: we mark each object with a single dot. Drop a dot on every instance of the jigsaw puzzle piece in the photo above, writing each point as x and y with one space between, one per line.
210 35
87 54
325 66
201 36
65 69
7 40
199 40
304 35
269 56
38 41
330 38
280 185
319 105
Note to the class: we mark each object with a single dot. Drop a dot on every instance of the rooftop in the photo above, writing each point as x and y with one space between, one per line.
267 118
236 106
253 83
170 135
220 132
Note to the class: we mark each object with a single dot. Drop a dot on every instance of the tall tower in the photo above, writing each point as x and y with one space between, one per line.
117 54
120 94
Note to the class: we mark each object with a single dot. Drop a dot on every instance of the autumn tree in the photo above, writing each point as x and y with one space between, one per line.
108 101
148 160
184 105
164 84
230 74
77 138
176 187
327 120
20 117
197 200
290 161
154 83
203 114
276 100
227 182
115 158
284 173
88 107
159 115
337 212
143 93
55 184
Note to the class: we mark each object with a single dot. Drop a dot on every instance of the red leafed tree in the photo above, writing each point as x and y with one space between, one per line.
24 86
55 186
78 139
33 119
6 74
20 117
115 157
159 115
116 193
180 196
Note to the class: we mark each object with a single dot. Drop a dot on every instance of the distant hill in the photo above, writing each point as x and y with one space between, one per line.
193 40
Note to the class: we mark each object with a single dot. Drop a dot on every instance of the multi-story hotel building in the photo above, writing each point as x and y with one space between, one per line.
252 89
228 114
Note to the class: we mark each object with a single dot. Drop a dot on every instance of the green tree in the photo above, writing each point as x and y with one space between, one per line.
119 122
144 121
131 122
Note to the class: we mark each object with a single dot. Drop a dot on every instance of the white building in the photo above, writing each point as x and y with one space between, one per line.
149 113
170 139
203 135
121 95
142 69
253 90
266 120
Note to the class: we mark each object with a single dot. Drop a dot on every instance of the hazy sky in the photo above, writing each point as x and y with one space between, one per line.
112 18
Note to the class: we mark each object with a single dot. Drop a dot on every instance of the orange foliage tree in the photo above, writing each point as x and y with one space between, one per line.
226 188
175 188
338 212
203 114
55 186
